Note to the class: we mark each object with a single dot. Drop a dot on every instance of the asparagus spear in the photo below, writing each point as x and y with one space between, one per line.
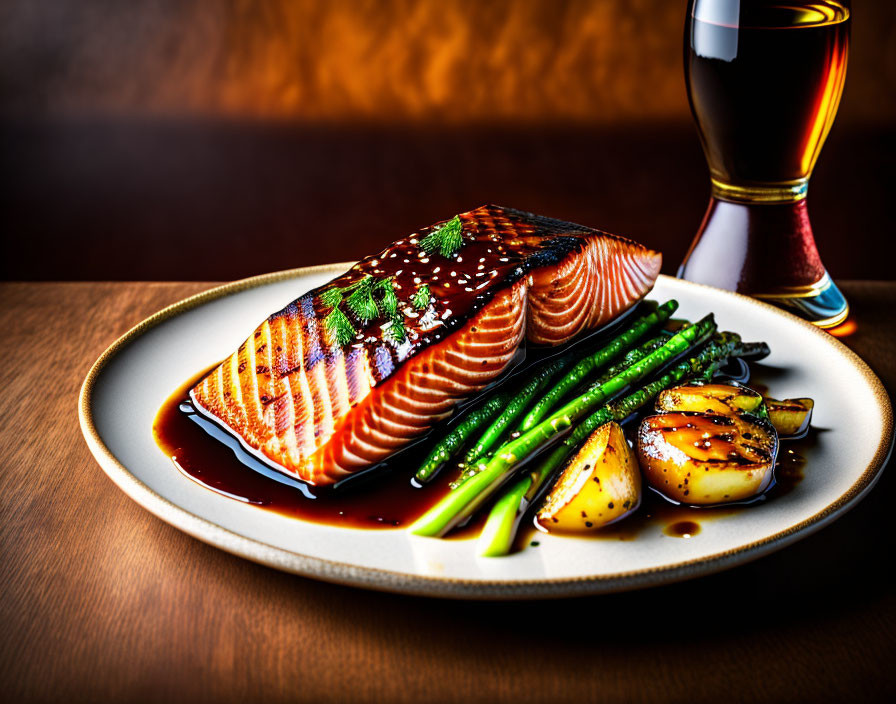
593 361
461 502
503 520
632 356
445 449
487 412
516 406
472 466
513 406
754 350
519 404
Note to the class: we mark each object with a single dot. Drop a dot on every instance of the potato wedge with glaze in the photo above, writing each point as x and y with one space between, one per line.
791 417
696 397
600 485
707 458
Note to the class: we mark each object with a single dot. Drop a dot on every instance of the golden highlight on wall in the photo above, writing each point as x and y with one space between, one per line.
446 61
451 62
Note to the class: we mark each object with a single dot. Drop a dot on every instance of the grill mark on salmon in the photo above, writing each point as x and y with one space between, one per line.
320 412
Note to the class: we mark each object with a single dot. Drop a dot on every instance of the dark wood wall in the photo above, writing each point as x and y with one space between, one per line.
212 140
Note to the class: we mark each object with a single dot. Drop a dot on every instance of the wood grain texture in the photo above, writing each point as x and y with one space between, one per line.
101 601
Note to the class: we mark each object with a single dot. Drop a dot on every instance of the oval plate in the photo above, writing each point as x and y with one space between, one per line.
131 380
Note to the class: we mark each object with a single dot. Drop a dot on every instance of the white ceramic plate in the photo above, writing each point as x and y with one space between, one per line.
132 379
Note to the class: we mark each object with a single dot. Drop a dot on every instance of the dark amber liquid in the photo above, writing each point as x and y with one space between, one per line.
764 83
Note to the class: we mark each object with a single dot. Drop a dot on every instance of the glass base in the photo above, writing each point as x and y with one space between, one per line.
821 304
765 250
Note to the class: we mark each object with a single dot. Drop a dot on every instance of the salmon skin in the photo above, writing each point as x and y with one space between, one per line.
319 408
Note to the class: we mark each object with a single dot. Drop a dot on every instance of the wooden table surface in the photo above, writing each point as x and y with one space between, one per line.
100 600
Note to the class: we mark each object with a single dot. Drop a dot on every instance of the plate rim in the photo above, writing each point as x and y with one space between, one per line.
439 586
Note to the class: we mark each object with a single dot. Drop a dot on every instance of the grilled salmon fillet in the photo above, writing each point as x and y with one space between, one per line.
319 398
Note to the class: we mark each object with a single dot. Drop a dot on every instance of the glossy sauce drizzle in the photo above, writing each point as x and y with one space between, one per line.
390 500
682 529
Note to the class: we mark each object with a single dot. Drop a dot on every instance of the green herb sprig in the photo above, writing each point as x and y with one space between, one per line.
337 324
420 299
446 239
389 301
340 327
368 299
361 301
396 330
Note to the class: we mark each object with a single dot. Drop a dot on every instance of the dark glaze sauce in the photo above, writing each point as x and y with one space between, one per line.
388 499
682 529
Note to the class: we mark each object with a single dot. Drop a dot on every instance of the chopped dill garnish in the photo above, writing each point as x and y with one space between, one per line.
339 327
446 239
389 300
420 300
361 301
395 330
337 324
332 297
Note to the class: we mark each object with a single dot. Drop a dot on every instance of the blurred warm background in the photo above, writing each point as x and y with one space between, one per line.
201 139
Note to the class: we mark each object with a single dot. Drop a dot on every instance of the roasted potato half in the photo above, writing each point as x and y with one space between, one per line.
600 485
791 417
707 458
695 397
